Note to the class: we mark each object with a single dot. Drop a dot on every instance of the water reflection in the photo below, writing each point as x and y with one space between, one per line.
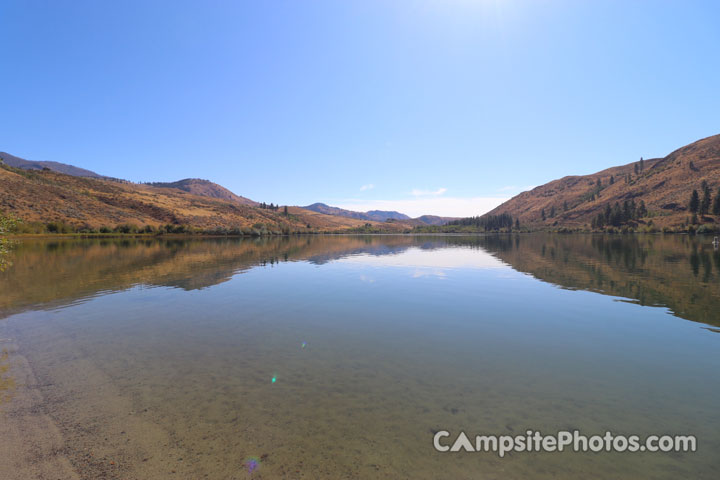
678 272
338 357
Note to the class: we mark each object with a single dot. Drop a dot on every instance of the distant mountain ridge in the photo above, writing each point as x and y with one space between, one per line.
384 215
340 212
18 162
378 215
434 220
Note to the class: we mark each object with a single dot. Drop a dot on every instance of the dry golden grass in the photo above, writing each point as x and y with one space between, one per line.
46 196
665 185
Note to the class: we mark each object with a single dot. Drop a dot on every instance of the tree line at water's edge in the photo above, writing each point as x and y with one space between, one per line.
615 219
38 228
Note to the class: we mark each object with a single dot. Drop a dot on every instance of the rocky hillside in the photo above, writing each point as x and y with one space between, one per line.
663 185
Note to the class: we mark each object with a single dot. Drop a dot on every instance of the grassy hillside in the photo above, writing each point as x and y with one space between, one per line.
664 185
48 200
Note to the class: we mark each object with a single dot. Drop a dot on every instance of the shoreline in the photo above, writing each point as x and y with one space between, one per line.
334 234
33 446
56 428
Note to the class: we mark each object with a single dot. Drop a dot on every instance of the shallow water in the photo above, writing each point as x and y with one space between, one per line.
157 358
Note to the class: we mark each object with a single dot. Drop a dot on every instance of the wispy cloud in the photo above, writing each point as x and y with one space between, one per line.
414 207
369 186
433 193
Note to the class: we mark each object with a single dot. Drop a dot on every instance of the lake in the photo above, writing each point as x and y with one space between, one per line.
340 357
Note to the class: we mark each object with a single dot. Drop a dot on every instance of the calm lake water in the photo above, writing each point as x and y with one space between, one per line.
338 357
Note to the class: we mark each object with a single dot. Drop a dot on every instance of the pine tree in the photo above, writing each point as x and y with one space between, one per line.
694 201
552 211
626 212
285 211
716 203
598 221
642 210
616 216
542 214
565 206
642 164
705 203
612 179
636 169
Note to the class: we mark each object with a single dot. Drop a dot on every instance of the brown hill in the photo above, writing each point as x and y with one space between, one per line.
204 188
663 184
44 196
196 186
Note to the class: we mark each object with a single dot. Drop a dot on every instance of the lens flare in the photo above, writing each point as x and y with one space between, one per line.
252 464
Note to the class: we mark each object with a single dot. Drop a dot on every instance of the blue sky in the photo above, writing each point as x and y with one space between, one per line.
443 106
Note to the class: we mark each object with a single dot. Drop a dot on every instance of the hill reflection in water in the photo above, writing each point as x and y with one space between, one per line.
678 272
